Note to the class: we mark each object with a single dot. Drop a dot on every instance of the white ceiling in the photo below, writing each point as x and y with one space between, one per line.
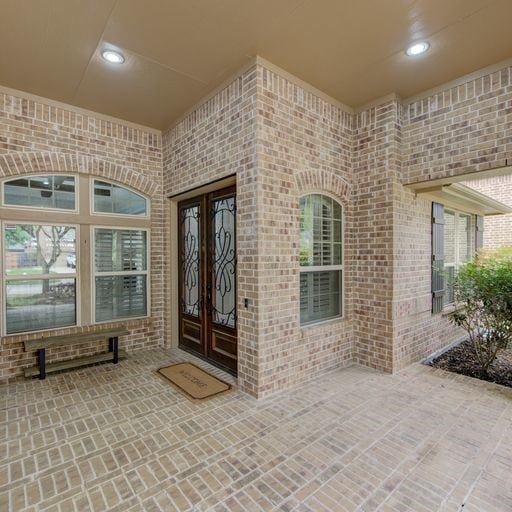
178 50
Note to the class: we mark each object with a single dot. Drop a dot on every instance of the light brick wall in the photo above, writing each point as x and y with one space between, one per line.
417 333
497 228
36 137
459 130
216 140
377 168
304 144
281 141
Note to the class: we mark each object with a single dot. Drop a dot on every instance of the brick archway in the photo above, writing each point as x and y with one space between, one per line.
16 164
311 179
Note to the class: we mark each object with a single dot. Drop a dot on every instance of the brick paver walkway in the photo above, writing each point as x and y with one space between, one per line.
120 439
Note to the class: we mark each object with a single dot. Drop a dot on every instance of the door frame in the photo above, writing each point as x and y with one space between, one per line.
171 278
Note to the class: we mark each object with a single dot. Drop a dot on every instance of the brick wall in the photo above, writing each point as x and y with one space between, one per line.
417 333
304 144
39 137
459 130
216 140
377 168
497 228
280 141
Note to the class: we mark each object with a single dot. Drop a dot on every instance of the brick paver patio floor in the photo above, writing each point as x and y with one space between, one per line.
121 439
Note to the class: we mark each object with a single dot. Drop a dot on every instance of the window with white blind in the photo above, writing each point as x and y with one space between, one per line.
321 258
458 247
120 273
62 266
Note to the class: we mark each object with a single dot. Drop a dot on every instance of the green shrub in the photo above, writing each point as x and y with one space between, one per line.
483 294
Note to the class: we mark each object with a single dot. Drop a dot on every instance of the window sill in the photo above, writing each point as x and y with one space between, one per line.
450 309
78 328
322 323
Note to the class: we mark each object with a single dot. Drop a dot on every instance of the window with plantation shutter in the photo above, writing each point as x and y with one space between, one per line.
479 232
458 248
321 258
120 280
58 269
438 279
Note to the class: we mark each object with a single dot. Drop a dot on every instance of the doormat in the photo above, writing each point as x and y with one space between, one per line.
194 382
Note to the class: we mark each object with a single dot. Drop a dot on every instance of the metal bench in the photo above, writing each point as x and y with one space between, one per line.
41 344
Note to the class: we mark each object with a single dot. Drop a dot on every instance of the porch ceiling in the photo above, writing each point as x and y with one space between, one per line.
178 50
457 195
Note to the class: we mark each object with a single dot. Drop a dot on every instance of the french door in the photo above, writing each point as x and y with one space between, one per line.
207 277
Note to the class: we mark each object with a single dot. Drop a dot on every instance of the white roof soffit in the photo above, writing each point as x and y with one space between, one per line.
461 197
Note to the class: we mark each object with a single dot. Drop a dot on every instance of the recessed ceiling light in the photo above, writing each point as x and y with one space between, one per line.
112 56
417 48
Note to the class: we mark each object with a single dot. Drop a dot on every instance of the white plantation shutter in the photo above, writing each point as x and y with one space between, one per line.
120 273
438 277
321 258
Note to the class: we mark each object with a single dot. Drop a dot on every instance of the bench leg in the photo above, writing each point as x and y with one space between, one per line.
41 356
113 346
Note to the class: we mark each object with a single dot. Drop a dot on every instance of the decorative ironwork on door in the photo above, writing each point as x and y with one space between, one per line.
190 260
207 277
223 266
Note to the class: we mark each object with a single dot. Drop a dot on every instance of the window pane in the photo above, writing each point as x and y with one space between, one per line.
306 232
41 192
39 249
464 237
449 276
120 297
320 231
320 295
40 304
110 198
449 237
120 250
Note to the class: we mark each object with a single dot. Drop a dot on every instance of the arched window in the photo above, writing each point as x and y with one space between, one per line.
70 262
321 258
110 198
48 192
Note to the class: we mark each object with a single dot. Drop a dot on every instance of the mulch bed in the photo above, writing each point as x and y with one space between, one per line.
462 359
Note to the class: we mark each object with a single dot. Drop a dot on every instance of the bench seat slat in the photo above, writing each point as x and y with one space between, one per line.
71 339
74 363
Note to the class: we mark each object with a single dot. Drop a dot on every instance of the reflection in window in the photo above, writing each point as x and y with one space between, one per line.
321 258
40 276
57 192
111 198
40 304
458 248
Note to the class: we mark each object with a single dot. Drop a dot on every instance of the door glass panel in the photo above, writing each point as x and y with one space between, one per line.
190 260
224 262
